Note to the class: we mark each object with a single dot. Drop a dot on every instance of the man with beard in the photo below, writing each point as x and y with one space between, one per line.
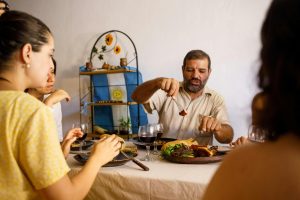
188 109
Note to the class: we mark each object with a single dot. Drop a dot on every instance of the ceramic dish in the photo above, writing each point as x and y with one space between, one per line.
120 159
196 160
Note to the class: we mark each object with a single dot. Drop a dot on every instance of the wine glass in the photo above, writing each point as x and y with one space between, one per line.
257 134
147 135
84 129
159 129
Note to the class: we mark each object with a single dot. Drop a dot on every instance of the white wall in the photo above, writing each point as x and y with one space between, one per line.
163 31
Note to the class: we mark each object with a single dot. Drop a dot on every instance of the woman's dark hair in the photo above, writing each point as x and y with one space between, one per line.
17 29
279 75
196 54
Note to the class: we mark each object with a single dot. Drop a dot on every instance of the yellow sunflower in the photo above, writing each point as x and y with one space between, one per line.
117 49
109 39
117 94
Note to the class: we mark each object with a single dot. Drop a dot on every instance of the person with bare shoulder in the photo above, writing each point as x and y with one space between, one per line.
189 108
270 170
32 163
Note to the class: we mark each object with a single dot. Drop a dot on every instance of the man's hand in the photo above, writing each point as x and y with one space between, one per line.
57 96
222 132
209 125
169 85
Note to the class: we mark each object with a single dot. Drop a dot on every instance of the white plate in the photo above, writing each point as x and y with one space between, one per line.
224 149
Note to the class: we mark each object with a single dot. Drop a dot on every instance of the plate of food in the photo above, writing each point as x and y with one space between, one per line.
189 152
129 148
120 159
160 142
86 145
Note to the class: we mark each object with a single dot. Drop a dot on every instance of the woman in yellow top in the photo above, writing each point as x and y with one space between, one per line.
31 161
270 170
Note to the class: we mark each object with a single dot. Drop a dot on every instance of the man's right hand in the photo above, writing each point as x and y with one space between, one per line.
169 85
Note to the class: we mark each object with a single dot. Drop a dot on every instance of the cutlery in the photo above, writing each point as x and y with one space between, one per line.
144 167
183 111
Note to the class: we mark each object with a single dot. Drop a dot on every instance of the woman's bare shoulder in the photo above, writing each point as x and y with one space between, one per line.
259 171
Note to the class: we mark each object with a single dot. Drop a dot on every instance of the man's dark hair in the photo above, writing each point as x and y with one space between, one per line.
194 55
279 74
17 29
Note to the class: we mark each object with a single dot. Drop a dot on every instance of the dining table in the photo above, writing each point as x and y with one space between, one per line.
164 180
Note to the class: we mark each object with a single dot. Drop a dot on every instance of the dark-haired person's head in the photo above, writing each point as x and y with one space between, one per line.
3 7
279 75
24 35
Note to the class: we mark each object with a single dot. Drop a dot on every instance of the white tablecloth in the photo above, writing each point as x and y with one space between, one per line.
164 180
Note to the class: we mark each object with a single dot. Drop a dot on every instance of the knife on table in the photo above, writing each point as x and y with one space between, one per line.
144 167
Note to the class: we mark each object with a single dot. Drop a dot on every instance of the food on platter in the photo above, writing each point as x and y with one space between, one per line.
204 151
129 147
99 130
187 142
188 149
75 146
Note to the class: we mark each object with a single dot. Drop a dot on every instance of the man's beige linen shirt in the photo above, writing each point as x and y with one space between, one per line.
210 103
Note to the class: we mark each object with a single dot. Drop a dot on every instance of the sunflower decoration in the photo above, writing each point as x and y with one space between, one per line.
109 39
117 94
117 49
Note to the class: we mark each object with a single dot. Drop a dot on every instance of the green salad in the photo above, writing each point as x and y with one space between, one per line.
178 150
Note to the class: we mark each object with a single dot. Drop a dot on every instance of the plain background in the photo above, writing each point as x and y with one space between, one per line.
163 32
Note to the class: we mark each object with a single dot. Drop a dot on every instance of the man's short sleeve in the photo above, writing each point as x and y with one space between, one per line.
156 102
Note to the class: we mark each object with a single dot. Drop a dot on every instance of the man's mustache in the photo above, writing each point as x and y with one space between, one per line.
196 79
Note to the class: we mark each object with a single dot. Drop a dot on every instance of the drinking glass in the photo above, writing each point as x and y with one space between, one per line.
147 135
84 128
159 129
256 134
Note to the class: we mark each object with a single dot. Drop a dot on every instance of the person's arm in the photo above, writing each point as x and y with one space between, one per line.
144 91
78 186
57 96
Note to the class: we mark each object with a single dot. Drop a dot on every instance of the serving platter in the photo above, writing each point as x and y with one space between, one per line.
120 159
196 160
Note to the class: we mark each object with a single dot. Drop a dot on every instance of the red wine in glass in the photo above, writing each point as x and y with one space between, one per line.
147 139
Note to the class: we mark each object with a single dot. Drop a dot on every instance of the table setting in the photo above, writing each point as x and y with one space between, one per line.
160 176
